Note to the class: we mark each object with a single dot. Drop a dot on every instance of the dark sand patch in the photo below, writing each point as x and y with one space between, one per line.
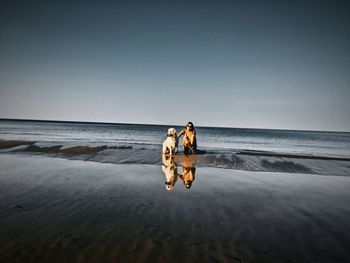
70 150
13 143
285 166
289 155
52 149
83 149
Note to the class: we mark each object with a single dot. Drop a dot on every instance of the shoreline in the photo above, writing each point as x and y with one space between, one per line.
245 160
62 210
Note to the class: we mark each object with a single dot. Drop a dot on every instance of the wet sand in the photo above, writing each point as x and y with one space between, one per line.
57 210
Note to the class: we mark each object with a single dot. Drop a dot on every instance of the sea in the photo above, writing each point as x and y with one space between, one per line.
232 148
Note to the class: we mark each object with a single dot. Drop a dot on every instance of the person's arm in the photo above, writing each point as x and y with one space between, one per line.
181 133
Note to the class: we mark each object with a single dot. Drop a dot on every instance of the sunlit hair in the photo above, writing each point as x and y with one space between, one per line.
190 124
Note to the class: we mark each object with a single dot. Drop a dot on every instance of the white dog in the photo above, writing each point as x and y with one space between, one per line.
171 142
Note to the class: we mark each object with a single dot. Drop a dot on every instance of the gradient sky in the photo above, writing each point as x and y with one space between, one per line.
266 64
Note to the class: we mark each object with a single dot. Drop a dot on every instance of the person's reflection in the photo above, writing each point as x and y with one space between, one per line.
188 170
170 170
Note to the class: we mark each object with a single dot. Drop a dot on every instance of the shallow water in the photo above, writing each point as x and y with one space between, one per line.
244 160
151 137
326 153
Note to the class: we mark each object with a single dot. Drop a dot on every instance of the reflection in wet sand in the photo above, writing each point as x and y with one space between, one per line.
169 168
188 170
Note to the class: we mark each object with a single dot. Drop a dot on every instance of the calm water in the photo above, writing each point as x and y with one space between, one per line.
151 136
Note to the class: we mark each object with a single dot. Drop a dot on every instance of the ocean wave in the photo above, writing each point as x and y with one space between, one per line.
241 159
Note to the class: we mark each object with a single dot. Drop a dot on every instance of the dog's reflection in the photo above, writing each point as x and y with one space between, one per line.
188 170
169 168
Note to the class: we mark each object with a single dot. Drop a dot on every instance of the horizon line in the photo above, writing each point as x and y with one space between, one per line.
157 124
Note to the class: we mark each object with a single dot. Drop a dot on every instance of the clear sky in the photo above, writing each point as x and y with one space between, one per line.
259 64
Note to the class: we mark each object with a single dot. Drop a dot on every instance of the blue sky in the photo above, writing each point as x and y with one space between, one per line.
275 64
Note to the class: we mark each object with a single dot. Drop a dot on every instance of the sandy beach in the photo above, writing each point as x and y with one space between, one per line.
57 210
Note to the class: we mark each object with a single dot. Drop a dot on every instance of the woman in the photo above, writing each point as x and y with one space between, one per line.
189 141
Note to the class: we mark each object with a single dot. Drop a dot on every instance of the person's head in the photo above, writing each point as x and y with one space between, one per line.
190 126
